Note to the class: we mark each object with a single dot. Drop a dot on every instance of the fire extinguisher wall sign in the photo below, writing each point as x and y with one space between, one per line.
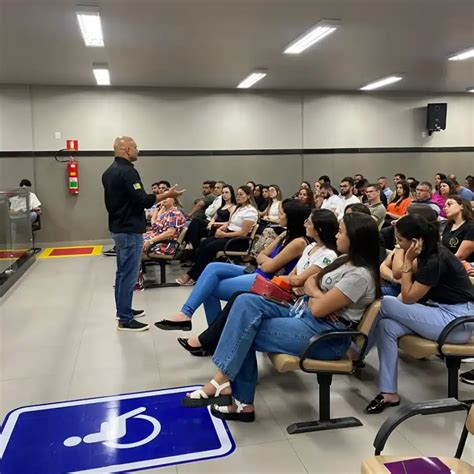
73 176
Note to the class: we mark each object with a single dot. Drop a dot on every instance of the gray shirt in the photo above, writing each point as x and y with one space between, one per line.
378 211
357 284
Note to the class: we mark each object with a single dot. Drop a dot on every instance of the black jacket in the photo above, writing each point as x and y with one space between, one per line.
125 198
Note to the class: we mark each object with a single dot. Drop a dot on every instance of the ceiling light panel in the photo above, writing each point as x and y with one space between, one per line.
91 26
384 81
462 55
102 74
470 89
252 79
319 31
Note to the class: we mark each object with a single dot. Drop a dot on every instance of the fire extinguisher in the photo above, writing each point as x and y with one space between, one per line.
73 176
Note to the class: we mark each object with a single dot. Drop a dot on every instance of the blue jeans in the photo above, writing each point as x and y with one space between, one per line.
219 281
129 250
397 319
391 289
256 324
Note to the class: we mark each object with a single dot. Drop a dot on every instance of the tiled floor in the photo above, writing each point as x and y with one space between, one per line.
58 342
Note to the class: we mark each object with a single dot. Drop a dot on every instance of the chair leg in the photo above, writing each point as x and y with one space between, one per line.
325 422
453 364
162 283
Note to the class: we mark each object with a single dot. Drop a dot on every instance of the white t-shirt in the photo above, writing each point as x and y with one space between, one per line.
273 212
18 203
213 207
331 203
344 203
246 213
322 257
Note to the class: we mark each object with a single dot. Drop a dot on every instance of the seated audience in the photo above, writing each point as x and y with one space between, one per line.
398 206
260 200
360 188
240 224
157 188
197 228
251 185
222 215
458 236
270 214
413 184
383 183
423 196
306 196
322 227
470 183
463 192
18 204
446 188
346 187
217 202
337 300
318 199
331 201
324 179
439 292
220 280
376 208
397 177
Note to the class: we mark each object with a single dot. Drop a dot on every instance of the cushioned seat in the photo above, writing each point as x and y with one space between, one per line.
325 369
375 465
287 363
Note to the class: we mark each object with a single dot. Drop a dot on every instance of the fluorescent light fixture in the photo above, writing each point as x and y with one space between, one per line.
470 89
102 75
91 28
319 31
252 79
462 55
385 81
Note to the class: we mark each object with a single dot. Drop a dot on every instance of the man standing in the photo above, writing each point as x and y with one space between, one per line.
375 205
347 197
125 200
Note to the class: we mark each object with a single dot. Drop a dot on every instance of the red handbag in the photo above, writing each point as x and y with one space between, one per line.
276 288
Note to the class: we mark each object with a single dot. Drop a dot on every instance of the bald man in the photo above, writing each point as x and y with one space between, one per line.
126 201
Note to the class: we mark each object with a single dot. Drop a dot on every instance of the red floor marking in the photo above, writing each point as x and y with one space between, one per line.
68 251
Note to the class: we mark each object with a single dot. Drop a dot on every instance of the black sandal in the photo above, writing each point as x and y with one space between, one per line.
239 415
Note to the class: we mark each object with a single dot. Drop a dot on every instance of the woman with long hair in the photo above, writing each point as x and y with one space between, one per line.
223 214
270 214
306 196
337 300
435 290
318 199
220 280
240 224
458 235
446 188
399 204
261 201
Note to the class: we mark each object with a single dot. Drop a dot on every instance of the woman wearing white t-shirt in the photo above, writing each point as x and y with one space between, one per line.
240 224
322 227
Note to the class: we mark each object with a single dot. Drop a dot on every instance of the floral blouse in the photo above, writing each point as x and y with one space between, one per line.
171 218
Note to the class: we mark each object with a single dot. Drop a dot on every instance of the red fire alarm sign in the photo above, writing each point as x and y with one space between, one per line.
72 145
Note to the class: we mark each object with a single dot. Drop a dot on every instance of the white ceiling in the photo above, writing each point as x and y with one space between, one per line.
216 43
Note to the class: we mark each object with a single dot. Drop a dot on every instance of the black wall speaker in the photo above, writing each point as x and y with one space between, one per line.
436 117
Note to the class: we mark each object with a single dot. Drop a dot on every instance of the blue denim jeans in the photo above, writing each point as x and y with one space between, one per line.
129 250
256 324
397 319
219 281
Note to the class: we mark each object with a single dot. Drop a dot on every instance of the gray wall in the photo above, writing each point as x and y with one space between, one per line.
204 120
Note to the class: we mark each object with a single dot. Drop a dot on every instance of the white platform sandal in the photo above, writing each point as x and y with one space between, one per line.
224 413
199 398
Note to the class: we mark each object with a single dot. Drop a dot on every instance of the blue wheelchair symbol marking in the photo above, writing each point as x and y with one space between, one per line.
111 434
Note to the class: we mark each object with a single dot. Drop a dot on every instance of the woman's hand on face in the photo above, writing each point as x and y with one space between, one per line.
414 250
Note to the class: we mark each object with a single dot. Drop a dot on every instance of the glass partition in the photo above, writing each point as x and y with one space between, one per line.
16 239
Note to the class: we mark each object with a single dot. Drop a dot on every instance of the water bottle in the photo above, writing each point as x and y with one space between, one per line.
299 307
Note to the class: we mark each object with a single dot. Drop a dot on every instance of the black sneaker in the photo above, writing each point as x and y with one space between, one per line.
467 377
137 313
111 252
133 326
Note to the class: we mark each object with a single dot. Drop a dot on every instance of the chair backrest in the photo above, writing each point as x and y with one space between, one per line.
367 321
181 236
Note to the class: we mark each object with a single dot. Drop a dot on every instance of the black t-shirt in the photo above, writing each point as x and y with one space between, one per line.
447 277
452 239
